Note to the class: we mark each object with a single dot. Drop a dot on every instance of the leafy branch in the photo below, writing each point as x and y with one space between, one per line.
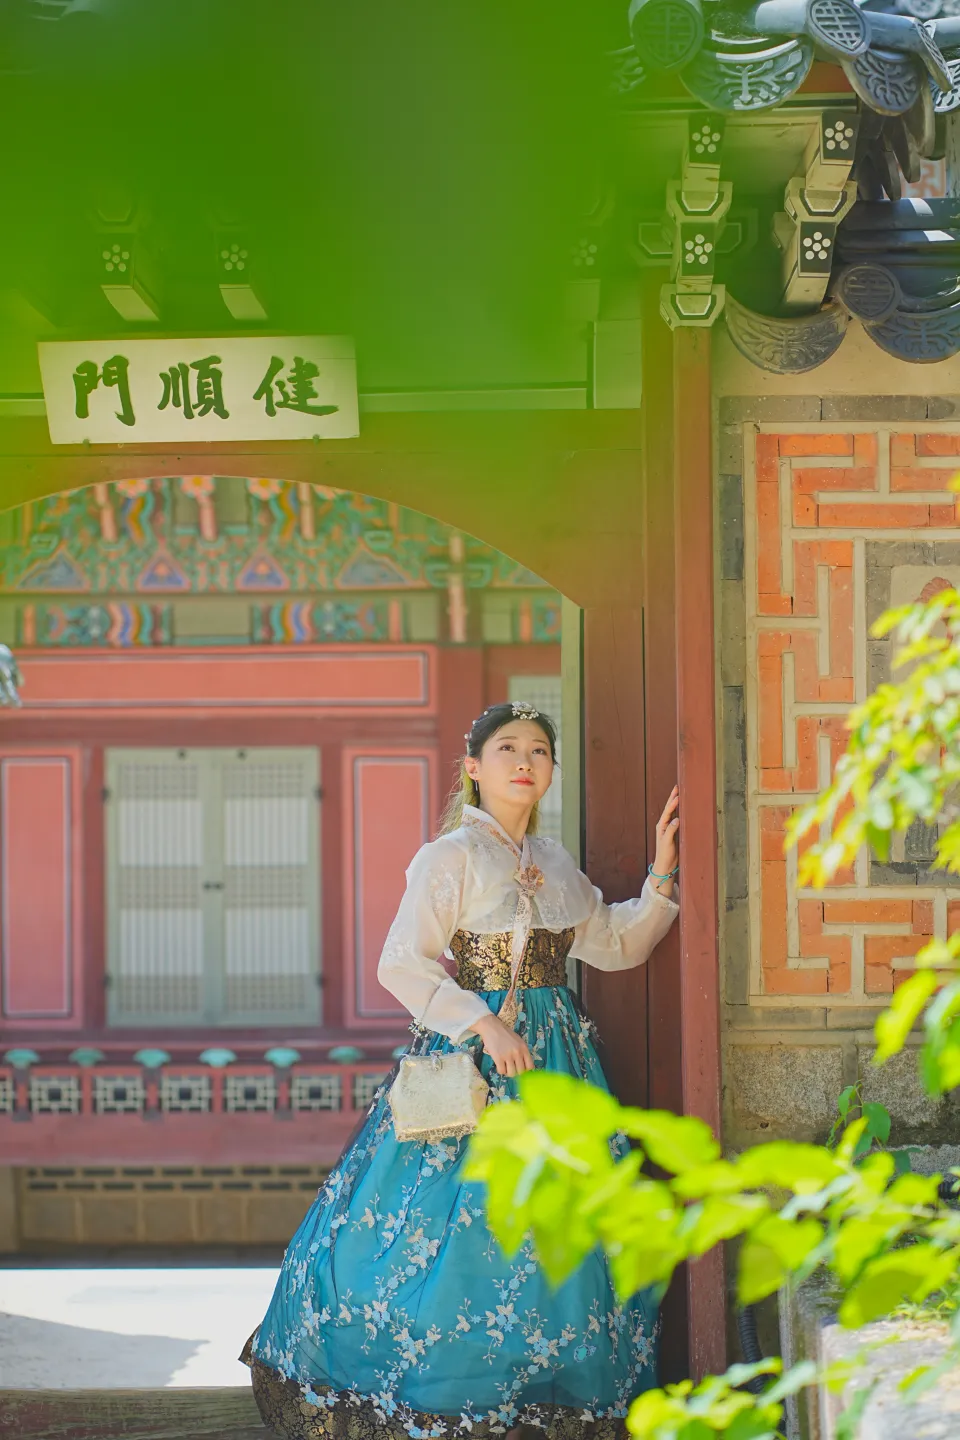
554 1169
903 756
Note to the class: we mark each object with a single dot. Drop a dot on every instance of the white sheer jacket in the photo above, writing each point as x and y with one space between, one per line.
467 880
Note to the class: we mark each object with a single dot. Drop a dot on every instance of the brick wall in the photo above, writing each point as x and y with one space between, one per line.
829 511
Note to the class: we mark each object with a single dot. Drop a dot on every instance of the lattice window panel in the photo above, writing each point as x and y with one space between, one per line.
118 1094
270 874
249 1092
6 1095
365 1088
213 882
316 1092
54 1094
155 846
185 1094
544 691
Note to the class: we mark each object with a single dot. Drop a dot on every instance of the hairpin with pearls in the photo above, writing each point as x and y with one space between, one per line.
524 711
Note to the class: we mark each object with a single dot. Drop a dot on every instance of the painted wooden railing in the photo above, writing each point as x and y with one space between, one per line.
154 1107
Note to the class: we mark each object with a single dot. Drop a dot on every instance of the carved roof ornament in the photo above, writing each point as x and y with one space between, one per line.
746 56
896 272
923 336
898 267
667 33
870 292
945 100
902 59
727 75
786 346
814 204
697 207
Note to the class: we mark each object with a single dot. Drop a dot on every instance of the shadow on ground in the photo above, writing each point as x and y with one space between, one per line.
47 1355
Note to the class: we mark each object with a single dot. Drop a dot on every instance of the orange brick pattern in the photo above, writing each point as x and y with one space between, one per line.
813 501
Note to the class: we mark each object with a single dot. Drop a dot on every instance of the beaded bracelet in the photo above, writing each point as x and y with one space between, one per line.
654 876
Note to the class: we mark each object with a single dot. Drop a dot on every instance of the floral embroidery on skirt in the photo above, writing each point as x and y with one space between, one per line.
397 1314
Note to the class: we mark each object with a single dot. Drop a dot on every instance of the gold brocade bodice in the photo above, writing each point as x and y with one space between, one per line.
484 961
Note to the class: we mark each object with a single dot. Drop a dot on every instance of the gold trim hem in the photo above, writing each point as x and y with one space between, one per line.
344 1415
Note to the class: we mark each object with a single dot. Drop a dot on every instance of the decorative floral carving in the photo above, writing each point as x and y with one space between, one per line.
753 79
921 336
839 26
886 80
667 33
944 101
786 346
870 292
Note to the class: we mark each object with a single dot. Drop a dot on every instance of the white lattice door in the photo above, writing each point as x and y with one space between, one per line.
213 886
271 879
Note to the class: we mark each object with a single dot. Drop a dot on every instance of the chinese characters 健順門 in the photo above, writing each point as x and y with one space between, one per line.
196 388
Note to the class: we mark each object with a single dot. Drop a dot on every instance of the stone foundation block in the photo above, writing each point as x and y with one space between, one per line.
783 1090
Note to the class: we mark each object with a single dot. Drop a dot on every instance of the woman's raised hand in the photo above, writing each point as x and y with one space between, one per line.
509 1052
667 856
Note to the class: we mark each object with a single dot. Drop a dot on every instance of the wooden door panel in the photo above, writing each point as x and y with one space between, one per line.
40 892
387 817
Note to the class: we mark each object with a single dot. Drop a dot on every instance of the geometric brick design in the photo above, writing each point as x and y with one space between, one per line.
818 500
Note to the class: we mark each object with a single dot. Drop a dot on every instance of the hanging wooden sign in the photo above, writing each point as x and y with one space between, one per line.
270 387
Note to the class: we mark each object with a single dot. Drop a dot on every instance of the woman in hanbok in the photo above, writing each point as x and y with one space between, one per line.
396 1312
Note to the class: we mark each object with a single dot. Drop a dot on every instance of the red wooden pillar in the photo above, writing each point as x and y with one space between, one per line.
614 786
660 685
695 648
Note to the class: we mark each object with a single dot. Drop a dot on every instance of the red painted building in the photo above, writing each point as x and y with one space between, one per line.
243 701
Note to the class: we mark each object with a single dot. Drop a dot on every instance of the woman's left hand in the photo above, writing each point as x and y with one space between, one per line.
667 855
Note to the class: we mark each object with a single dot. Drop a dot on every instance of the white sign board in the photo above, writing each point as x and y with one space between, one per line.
269 387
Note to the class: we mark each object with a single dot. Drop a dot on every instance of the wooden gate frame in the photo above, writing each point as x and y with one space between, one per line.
614 509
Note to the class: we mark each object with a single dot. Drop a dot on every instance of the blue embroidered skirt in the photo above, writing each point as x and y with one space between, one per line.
396 1313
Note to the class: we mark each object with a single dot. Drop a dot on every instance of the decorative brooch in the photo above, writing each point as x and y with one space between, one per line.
524 711
529 879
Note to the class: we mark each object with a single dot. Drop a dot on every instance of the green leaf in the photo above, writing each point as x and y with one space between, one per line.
719 1178
720 1218
771 1253
797 1378
943 1009
948 1077
924 1377
638 1230
740 1374
801 1168
716 1406
756 1424
878 1121
602 1189
529 1176
573 1104
912 1273
850 1143
857 1241
637 1267
846 1098
849 1422
913 1190
504 1220
879 839
676 1143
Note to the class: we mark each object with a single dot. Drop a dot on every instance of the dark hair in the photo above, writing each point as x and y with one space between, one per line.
494 718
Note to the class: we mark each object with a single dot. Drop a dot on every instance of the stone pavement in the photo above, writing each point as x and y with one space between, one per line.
125 1328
